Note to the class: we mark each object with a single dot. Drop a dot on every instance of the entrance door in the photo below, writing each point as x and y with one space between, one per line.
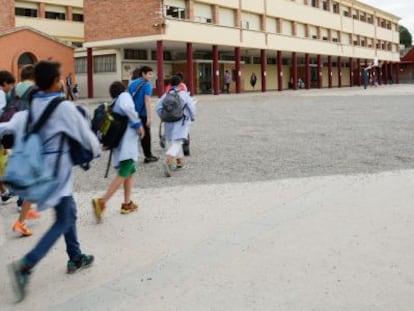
205 78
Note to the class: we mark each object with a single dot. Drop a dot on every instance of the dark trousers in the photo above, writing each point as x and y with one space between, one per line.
65 224
146 141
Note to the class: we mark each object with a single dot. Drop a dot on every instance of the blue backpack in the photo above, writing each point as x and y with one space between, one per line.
27 174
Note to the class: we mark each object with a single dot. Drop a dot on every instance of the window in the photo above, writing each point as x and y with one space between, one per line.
77 44
76 17
135 54
314 3
203 13
80 65
25 12
55 15
226 17
325 6
166 55
335 8
104 63
175 12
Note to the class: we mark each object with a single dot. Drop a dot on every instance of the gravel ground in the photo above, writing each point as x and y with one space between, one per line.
265 136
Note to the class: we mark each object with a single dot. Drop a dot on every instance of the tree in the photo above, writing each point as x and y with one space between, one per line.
405 37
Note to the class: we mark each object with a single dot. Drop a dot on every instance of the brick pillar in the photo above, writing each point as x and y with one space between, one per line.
216 73
329 71
190 68
89 65
69 16
42 10
294 71
238 69
263 63
319 66
160 68
279 71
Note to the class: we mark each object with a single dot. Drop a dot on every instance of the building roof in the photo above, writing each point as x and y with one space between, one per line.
409 56
17 29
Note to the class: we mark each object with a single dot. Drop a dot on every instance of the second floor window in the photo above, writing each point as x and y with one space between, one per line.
55 15
176 12
25 12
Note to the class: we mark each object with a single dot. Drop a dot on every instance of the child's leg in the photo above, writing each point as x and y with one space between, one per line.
113 187
127 188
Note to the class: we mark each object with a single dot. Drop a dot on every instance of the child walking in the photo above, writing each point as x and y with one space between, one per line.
176 132
125 156
65 120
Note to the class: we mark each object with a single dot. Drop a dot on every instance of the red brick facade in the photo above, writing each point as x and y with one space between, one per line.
6 15
15 43
107 19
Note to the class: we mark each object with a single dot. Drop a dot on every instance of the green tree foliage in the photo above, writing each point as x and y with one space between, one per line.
405 37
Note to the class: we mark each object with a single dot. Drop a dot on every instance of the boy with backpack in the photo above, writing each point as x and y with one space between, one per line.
7 81
177 110
63 120
125 155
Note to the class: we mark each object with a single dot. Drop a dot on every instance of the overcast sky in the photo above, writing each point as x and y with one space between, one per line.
402 8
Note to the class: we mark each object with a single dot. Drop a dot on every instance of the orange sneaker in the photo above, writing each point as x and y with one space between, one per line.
32 214
98 207
21 228
127 208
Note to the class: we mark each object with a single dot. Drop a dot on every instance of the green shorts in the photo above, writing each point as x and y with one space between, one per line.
126 168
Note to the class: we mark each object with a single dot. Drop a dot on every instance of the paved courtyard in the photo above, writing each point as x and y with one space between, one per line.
289 201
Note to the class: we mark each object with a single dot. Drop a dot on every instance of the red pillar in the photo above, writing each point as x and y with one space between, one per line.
319 64
351 72
190 68
339 67
359 72
329 71
160 68
279 71
238 69
294 71
89 65
307 71
385 72
397 74
379 72
263 63
216 73
392 73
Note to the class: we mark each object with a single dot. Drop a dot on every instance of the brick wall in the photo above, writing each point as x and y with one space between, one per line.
13 45
107 19
6 14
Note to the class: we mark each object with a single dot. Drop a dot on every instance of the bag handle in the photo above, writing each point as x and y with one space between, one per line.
45 115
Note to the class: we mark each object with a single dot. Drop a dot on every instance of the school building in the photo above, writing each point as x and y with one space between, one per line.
286 43
32 30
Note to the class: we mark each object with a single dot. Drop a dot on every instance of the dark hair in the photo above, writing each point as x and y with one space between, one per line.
175 80
180 74
116 88
45 73
135 74
27 72
6 77
144 70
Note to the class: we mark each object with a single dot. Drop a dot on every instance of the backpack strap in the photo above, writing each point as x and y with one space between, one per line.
139 87
45 115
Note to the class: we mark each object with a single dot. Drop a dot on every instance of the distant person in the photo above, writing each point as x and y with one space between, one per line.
227 81
176 132
181 86
140 89
253 80
69 87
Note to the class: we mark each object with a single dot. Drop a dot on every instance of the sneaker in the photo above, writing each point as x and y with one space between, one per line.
98 207
179 164
19 202
21 228
6 196
128 208
150 159
32 214
85 261
167 169
20 279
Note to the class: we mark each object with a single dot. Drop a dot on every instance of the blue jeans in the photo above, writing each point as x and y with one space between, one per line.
65 224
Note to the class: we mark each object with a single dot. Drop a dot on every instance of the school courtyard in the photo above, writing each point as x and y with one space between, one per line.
300 200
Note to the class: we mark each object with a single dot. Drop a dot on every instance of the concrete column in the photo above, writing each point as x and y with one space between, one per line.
339 67
330 71
397 73
307 71
294 71
351 72
319 66
359 72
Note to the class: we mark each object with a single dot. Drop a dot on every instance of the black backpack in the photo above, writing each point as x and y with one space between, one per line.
172 107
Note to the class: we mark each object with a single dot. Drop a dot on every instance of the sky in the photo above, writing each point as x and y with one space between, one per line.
402 8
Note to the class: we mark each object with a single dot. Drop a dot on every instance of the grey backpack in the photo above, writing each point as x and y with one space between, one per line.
172 107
